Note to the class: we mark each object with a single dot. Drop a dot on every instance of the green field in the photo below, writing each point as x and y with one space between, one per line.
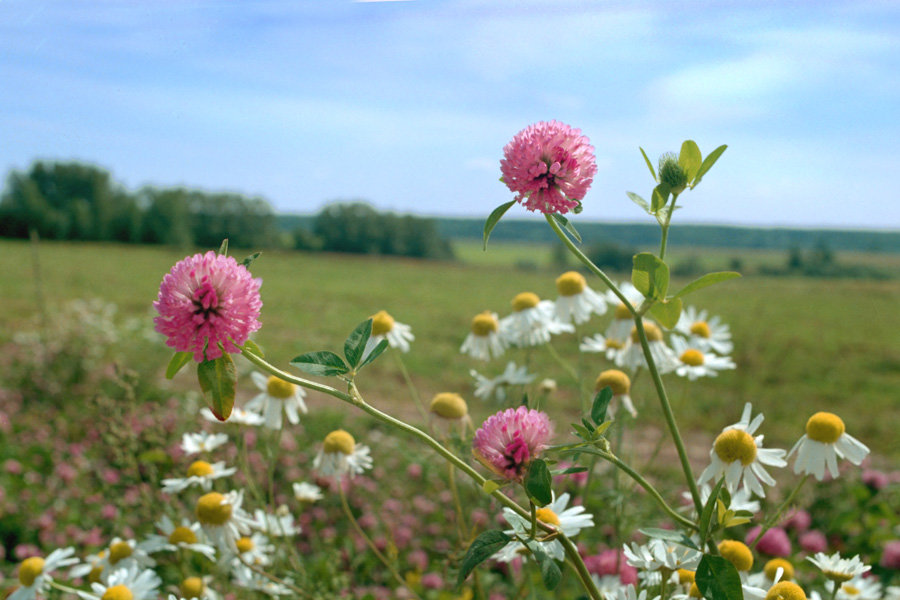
802 345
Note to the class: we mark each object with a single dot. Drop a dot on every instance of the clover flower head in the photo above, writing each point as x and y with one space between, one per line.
509 440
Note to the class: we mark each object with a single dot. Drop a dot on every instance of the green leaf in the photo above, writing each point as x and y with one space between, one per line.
572 470
223 249
706 517
690 159
375 353
708 162
323 363
649 165
660 197
251 347
667 312
249 260
669 535
550 572
717 579
567 225
706 281
356 342
490 486
582 431
640 202
537 483
218 380
601 403
481 549
179 359
650 276
494 218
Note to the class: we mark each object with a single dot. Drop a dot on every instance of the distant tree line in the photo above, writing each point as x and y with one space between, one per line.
75 201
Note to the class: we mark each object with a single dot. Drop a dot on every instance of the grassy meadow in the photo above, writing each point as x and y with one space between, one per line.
801 345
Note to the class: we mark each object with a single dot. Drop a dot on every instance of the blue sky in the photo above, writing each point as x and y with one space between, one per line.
409 104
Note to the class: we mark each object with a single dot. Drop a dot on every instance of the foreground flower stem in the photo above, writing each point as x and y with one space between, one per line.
665 229
64 588
412 388
651 365
770 522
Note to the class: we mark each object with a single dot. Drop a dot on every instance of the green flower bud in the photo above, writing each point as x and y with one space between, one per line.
671 173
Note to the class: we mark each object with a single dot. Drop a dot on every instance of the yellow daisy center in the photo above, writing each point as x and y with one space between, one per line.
244 544
30 569
118 551
192 587
735 444
94 575
200 468
654 333
570 284
825 427
850 590
701 329
382 323
838 576
622 313
616 344
737 553
545 515
182 535
117 592
692 357
525 300
449 406
617 380
213 509
339 441
484 324
685 576
279 388
695 591
773 565
786 590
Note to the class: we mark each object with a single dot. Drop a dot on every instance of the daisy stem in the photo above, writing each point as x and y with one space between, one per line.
412 388
62 587
370 543
654 372
565 365
770 522
461 519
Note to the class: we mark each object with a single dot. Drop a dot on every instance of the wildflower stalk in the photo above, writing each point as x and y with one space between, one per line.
651 364
412 388
665 229
62 587
770 522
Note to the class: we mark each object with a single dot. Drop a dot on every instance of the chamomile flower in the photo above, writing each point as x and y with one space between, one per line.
92 566
824 442
121 554
194 443
707 334
201 474
620 327
740 457
132 583
254 550
838 569
620 384
696 363
222 518
577 302
484 340
532 322
244 577
277 396
632 355
601 344
738 554
384 327
280 524
197 587
786 590
858 588
741 500
449 412
34 573
570 521
307 493
757 585
186 536
498 387
238 416
341 455
658 554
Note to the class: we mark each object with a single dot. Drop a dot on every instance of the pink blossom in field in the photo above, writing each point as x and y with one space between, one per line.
813 541
23 551
479 517
774 542
432 581
417 559
890 558
414 471
550 166
66 472
875 479
403 536
509 440
207 301
367 521
799 520
109 512
12 466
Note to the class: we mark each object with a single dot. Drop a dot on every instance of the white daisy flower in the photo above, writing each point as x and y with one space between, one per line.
658 554
632 355
569 521
449 412
197 587
280 524
186 536
740 500
486 388
132 583
740 457
92 566
277 396
620 327
620 384
307 492
576 300
398 335
238 416
484 340
758 585
532 322
706 334
629 592
34 573
254 550
246 578
201 474
600 344
608 585
838 569
194 443
121 554
824 442
858 588
222 518
341 455
892 592
696 363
